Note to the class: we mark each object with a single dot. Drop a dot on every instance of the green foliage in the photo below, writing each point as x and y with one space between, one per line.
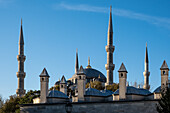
96 84
112 87
11 105
29 96
163 105
57 87
1 102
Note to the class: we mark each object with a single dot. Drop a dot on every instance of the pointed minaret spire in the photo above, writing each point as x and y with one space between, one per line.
21 59
146 73
146 55
77 62
21 38
110 28
110 49
88 66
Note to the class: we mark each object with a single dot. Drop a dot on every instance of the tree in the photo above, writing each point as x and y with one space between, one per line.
29 96
11 105
1 102
96 84
163 105
112 87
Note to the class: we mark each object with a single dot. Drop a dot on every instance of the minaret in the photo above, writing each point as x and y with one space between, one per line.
164 75
146 73
122 82
110 49
77 62
21 59
88 66
63 85
44 82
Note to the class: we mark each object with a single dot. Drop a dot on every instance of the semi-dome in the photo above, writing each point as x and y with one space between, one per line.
133 90
58 94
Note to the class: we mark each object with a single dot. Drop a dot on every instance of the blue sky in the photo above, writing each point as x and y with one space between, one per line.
53 29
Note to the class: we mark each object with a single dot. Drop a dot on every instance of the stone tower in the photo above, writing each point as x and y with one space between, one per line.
77 62
146 73
63 85
21 59
44 81
110 49
122 82
81 78
164 74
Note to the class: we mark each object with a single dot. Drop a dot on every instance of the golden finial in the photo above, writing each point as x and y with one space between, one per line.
88 63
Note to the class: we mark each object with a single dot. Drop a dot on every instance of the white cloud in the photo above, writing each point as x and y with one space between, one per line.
158 21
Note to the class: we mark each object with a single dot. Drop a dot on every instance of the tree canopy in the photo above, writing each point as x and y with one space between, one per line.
11 105
163 105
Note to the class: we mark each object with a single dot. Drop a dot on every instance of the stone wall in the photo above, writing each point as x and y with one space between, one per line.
94 107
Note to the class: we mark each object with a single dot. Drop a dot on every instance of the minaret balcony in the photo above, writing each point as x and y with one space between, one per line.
21 74
146 73
109 66
21 58
110 48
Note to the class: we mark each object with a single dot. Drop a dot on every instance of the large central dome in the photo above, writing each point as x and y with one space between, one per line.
93 73
90 75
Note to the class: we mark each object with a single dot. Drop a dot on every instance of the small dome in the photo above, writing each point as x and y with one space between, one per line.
158 90
107 92
133 90
93 92
55 93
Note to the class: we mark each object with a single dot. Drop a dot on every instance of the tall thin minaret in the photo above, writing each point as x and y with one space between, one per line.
110 49
77 62
146 73
21 59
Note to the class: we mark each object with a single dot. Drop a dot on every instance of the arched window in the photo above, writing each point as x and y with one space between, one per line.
163 72
121 74
42 79
61 86
79 77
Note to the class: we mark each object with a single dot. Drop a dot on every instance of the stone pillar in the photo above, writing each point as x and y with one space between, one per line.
164 75
122 82
44 82
63 85
81 78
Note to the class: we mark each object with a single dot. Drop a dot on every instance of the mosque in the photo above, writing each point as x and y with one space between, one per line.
84 75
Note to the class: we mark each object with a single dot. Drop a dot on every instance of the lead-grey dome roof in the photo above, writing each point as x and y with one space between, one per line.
92 73
158 90
93 92
58 94
133 90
